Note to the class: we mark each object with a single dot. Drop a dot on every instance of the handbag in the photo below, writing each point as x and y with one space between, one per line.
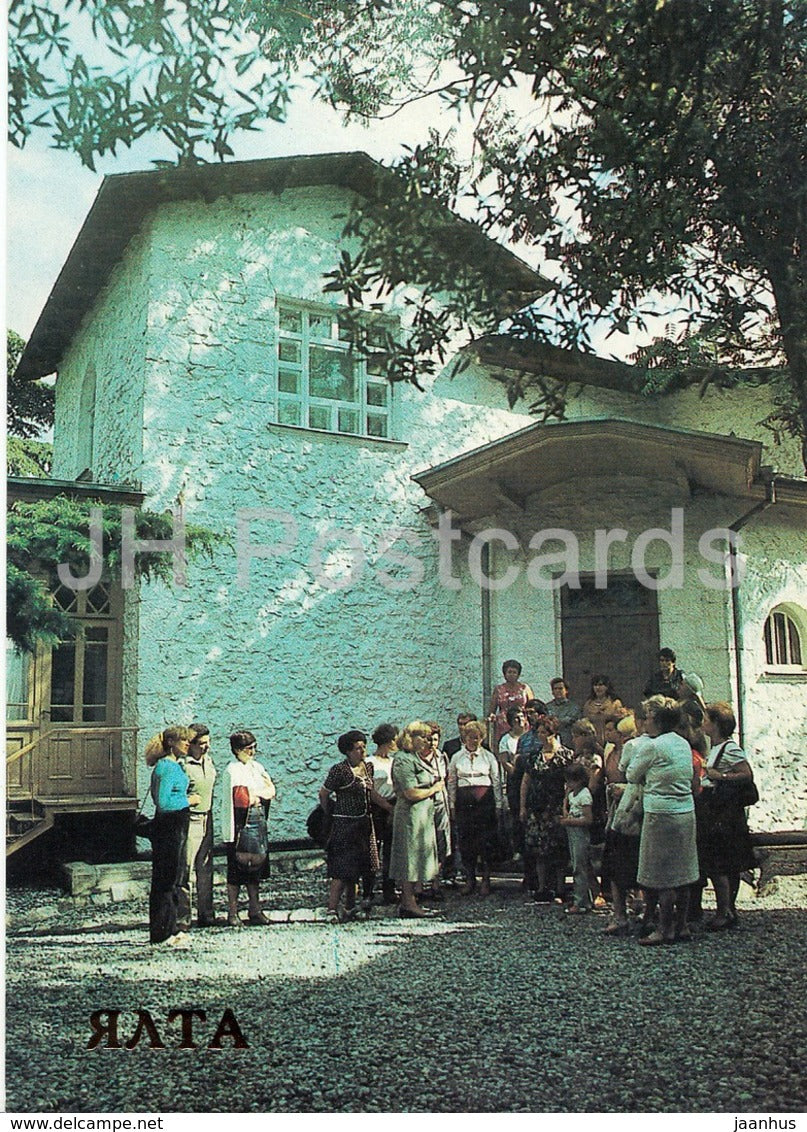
319 824
739 792
143 826
628 815
252 843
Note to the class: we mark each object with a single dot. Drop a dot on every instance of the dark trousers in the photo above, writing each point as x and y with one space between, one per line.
168 864
199 872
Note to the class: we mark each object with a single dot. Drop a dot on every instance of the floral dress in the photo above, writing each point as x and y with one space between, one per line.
543 833
351 850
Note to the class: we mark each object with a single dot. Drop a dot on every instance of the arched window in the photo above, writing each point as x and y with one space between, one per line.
784 637
86 426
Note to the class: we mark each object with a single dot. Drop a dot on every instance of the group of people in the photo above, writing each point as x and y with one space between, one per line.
181 788
641 806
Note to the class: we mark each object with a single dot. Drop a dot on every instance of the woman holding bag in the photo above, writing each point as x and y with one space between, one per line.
724 843
169 791
248 790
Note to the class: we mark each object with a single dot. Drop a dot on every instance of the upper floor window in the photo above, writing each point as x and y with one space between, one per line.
783 638
321 382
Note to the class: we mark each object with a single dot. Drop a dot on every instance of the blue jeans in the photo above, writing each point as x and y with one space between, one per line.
579 843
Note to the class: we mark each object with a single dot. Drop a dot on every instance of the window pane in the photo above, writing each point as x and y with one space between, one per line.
17 667
331 374
319 416
98 599
289 320
377 336
288 350
377 394
794 642
780 637
769 643
377 425
319 325
66 599
288 381
63 667
96 653
288 412
348 420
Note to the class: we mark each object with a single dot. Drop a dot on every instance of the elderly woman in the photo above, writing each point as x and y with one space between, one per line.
668 858
352 851
476 798
172 802
247 792
724 843
541 808
417 781
512 693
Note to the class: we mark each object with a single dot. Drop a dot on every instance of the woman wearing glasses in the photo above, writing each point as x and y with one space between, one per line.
248 790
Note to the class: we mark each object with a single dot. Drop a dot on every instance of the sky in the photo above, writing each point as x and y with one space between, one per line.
49 192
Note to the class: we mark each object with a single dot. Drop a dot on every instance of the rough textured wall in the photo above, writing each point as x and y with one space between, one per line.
731 412
295 658
774 548
112 341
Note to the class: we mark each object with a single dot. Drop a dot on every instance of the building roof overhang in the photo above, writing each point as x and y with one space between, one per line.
30 489
540 458
124 200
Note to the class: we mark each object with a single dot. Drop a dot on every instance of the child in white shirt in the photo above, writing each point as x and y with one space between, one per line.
577 817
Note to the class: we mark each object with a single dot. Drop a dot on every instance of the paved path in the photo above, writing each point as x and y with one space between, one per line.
496 1007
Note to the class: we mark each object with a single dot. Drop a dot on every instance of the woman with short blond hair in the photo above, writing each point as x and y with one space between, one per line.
476 799
416 781
169 791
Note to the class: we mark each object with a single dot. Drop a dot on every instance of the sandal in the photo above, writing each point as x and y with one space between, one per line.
616 927
655 939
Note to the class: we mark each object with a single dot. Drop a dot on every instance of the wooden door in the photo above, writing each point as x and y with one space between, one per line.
75 704
613 631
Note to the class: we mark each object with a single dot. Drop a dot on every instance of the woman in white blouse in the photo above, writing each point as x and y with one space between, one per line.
476 798
247 790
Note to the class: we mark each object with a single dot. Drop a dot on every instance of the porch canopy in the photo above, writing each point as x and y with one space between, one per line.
506 472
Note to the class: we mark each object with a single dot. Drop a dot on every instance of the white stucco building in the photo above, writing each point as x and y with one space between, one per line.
201 364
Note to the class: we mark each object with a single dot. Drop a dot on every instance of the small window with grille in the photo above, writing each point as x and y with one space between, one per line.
321 383
784 640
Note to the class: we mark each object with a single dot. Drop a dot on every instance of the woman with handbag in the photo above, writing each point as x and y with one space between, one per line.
624 824
668 857
248 790
169 832
351 850
724 843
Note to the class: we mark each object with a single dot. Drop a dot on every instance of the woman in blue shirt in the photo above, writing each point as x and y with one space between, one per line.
169 791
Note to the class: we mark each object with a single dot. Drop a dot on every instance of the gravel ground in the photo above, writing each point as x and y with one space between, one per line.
497 1006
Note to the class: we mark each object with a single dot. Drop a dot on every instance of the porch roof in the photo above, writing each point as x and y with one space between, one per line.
537 458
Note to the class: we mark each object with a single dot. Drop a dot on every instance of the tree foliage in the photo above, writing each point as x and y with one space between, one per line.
45 533
664 170
29 404
99 74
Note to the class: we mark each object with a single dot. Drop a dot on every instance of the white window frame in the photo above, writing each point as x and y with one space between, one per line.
794 620
305 402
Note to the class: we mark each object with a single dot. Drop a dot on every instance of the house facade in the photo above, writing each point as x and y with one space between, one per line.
386 549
